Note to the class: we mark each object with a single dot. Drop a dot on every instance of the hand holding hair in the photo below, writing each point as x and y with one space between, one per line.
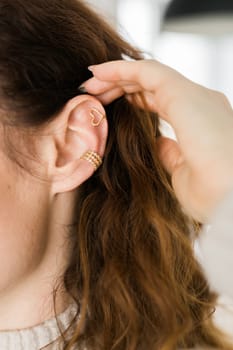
200 163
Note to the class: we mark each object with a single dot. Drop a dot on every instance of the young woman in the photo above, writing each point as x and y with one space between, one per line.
89 219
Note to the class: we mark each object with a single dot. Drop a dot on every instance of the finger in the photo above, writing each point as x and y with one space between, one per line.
115 70
143 100
110 93
95 86
149 74
109 96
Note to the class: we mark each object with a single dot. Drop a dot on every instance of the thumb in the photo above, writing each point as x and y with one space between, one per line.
169 153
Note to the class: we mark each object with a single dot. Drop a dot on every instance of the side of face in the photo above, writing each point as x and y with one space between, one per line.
29 200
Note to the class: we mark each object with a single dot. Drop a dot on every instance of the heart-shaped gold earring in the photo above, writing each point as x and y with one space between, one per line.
96 117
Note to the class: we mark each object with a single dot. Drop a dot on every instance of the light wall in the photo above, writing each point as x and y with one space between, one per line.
206 59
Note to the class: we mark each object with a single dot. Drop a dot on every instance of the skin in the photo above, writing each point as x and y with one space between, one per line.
200 162
35 210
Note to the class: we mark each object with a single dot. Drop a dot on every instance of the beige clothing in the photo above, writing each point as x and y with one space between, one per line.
43 336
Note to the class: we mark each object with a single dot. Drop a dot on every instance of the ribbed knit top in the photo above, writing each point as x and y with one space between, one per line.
42 336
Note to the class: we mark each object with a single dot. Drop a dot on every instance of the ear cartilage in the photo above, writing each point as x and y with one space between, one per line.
93 158
96 117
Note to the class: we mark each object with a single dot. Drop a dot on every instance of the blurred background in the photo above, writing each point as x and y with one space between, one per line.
193 36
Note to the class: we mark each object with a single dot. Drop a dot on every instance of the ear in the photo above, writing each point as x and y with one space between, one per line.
80 127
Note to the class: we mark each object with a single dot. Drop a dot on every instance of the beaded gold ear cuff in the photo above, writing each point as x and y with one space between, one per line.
96 117
93 158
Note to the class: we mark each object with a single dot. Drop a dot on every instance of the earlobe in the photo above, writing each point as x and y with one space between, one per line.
81 143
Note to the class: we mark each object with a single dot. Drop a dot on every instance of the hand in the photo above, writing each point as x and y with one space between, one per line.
201 161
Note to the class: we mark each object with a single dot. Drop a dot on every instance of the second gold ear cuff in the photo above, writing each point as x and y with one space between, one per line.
92 157
96 117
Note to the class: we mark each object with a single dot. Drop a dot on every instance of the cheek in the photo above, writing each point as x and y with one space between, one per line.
22 228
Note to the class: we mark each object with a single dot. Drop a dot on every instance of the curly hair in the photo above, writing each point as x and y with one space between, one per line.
137 283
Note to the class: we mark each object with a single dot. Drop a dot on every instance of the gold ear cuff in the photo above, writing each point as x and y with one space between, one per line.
93 158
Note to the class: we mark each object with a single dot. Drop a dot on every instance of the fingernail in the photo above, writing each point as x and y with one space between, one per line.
91 68
82 89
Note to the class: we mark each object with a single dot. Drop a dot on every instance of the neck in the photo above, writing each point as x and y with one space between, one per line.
27 298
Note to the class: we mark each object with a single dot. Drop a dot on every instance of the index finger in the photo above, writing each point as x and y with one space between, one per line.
149 74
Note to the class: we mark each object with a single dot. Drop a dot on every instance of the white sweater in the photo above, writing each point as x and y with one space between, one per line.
43 336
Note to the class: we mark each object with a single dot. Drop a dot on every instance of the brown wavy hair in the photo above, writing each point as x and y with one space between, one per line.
132 271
